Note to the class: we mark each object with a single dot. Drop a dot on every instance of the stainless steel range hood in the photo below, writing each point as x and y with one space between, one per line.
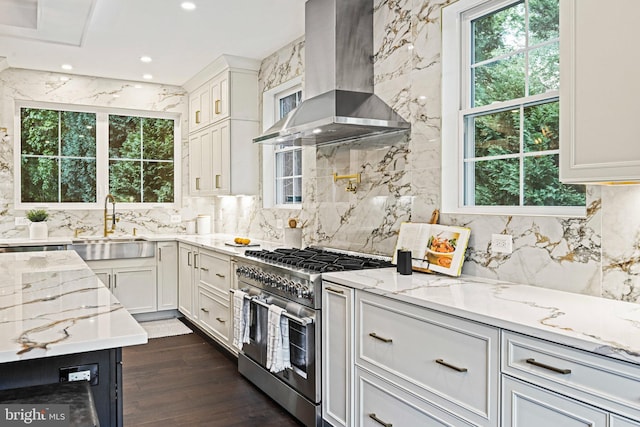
340 104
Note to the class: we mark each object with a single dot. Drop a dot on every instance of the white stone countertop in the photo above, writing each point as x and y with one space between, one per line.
607 327
52 304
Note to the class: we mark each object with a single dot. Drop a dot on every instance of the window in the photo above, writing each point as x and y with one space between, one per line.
288 158
501 80
74 158
282 163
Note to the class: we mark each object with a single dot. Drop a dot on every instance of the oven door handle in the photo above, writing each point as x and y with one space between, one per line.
302 320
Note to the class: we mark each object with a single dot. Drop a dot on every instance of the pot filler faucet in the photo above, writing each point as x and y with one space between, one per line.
108 217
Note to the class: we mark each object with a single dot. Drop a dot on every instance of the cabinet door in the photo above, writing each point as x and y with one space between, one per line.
167 275
599 92
199 108
337 354
185 280
525 405
104 274
201 155
135 288
220 98
220 158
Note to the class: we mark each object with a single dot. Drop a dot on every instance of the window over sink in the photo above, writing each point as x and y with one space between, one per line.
500 118
72 156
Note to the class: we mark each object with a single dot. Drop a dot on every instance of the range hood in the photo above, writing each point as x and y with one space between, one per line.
340 104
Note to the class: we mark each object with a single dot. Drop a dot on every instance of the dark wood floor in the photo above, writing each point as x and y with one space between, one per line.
186 381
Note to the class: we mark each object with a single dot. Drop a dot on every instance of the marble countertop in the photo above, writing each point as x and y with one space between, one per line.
52 304
607 327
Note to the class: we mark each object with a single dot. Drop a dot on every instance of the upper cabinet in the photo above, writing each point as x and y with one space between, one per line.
599 91
223 119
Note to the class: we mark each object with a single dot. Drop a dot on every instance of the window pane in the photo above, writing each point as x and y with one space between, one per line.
498 33
78 134
39 131
78 180
544 20
499 81
541 127
158 182
124 137
39 179
544 69
496 182
297 162
124 180
157 140
542 186
288 103
493 134
297 190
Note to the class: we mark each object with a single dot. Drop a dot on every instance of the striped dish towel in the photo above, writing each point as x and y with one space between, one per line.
278 358
240 318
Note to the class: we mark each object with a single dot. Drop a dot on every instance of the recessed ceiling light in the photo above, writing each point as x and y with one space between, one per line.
187 5
145 58
67 67
147 76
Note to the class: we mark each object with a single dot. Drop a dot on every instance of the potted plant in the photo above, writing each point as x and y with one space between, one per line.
38 229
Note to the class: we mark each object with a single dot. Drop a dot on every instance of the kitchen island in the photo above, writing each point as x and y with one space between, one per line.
56 319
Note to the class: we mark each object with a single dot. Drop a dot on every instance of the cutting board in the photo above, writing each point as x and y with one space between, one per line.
240 245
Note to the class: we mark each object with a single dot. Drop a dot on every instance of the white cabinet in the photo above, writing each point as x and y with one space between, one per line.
599 92
199 108
525 405
223 160
337 354
204 297
617 421
167 275
132 282
186 274
222 157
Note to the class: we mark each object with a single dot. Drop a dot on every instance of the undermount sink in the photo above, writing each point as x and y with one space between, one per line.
100 248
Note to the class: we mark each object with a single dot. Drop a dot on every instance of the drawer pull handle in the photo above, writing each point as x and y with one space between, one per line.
549 367
221 275
221 320
376 336
204 269
449 365
379 421
205 310
335 291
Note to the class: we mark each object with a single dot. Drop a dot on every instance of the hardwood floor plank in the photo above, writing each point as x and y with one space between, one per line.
185 381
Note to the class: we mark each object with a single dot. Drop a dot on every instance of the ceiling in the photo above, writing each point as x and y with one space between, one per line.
107 38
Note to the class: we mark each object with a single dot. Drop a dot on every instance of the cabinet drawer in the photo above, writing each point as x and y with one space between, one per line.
214 314
616 421
525 405
604 382
379 402
451 361
214 273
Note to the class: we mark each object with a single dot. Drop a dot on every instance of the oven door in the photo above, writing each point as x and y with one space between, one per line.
256 348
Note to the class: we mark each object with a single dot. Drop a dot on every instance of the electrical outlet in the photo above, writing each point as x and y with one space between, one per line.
21 220
80 376
501 243
175 219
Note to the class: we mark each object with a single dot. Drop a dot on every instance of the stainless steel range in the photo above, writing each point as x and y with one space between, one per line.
291 279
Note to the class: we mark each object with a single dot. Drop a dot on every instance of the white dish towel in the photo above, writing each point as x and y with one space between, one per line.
278 358
240 318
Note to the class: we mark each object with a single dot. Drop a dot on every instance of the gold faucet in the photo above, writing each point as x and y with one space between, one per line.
108 217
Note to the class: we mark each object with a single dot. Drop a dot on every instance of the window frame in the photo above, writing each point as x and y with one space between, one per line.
270 115
102 155
456 91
